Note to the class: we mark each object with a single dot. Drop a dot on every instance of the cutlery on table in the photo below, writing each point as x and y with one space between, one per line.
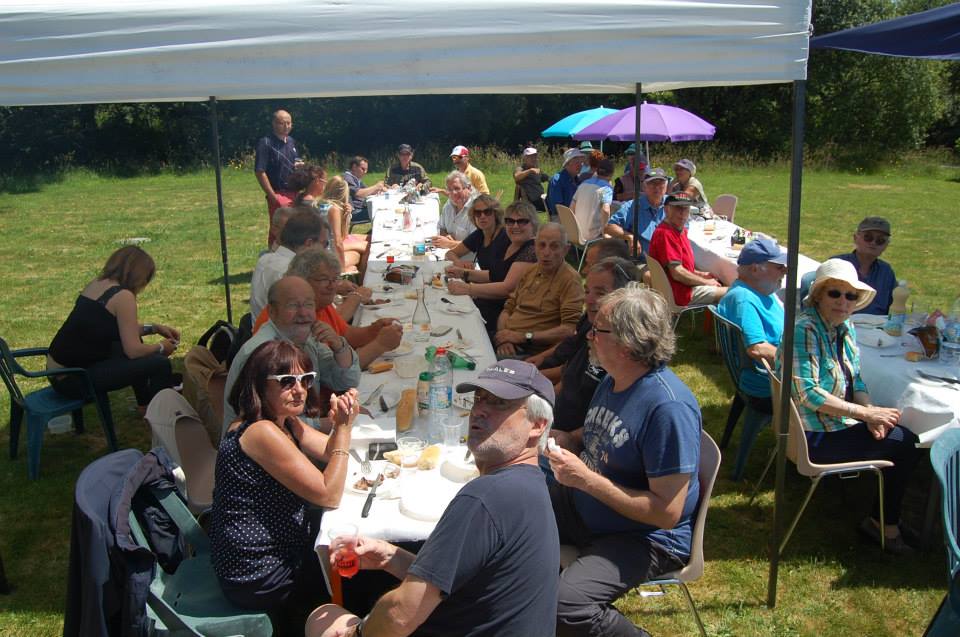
384 407
467 455
459 335
373 493
942 379
365 466
373 396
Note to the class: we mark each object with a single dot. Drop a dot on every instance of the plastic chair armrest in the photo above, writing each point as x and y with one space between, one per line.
29 351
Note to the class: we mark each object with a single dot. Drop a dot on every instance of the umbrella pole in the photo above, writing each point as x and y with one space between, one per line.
636 181
215 141
786 344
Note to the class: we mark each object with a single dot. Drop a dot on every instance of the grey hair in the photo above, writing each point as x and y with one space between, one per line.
456 174
553 225
305 264
539 409
524 209
623 271
640 321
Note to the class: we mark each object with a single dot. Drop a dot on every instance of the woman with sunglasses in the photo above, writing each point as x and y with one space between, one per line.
501 269
261 537
839 420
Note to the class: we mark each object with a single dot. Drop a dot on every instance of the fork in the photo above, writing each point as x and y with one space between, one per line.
365 466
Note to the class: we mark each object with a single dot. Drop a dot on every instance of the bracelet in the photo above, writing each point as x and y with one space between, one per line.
342 452
466 276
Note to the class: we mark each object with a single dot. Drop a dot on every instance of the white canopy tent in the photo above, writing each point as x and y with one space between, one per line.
98 51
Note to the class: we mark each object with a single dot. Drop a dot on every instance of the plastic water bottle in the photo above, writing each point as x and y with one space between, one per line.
441 393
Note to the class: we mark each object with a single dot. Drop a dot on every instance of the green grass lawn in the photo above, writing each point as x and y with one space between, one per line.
54 239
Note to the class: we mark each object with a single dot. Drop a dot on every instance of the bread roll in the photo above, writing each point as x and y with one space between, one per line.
406 409
430 458
393 456
379 366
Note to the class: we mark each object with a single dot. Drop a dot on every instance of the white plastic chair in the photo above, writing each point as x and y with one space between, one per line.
707 475
572 227
661 283
799 454
178 429
725 205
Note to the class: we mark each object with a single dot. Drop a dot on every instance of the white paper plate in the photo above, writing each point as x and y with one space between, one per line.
403 349
389 490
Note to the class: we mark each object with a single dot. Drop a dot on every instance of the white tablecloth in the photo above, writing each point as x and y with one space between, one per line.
388 238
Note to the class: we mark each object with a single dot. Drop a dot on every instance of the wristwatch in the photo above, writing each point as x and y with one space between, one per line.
529 337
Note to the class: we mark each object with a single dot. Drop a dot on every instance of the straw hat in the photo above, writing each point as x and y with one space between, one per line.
840 270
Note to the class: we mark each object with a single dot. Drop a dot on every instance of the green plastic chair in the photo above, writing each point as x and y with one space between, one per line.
945 458
190 601
42 405
729 338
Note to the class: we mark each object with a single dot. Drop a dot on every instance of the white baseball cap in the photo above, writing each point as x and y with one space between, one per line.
459 151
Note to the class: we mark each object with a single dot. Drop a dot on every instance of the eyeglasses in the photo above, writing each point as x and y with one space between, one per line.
296 307
510 221
287 381
482 397
594 330
483 211
836 294
322 280
875 239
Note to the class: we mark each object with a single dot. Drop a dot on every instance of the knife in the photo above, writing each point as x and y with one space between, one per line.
373 493
943 379
384 407
459 335
373 395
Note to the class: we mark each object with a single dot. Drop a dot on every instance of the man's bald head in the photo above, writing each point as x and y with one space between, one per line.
292 308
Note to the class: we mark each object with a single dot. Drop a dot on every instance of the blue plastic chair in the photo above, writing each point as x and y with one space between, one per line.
945 458
730 344
42 405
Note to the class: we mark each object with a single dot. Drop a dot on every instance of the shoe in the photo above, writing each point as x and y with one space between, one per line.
894 546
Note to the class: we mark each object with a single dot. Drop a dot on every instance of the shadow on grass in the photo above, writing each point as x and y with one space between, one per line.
235 278
28 184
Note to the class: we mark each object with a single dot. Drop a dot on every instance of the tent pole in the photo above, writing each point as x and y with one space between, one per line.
786 343
636 180
215 141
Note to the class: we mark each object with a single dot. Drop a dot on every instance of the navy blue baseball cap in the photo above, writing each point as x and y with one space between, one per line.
762 250
510 379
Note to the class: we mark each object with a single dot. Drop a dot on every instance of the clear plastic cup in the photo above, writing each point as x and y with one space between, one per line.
343 546
451 433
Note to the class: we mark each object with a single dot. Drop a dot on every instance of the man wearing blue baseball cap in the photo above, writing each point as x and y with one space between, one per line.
752 304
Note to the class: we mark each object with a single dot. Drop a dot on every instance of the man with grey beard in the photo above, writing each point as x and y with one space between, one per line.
293 317
490 566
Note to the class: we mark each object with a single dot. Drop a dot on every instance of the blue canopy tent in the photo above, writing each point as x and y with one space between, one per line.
932 35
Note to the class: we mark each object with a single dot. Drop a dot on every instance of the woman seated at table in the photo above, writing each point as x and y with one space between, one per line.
103 335
261 538
502 260
840 423
686 182
352 248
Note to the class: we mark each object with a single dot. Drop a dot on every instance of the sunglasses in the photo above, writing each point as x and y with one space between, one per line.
287 381
836 294
483 211
875 239
594 330
518 222
483 397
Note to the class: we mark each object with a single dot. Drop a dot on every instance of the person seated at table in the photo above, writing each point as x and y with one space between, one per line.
870 240
489 568
292 310
568 364
487 243
455 223
460 156
405 169
529 180
591 202
545 306
103 335
321 269
687 183
839 420
305 228
671 247
752 305
636 164
359 191
563 184
279 220
651 211
261 539
490 286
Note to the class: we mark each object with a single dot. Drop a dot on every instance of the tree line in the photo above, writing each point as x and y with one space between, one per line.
861 109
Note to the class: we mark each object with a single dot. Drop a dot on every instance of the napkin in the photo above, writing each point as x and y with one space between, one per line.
925 406
367 430
872 337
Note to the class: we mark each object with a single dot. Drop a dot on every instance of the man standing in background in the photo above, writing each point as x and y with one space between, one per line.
276 158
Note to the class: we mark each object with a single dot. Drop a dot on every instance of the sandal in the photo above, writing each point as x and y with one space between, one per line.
894 546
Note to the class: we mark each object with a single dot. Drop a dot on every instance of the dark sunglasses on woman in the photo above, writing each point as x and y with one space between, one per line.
836 294
287 381
520 222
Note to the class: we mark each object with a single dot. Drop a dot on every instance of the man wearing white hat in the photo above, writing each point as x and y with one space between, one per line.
529 179
563 184
460 156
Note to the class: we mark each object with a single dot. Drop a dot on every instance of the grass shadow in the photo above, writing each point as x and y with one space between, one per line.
29 184
234 279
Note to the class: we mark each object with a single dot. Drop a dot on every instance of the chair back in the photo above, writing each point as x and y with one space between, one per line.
725 205
660 283
569 222
729 339
9 368
945 458
587 212
707 475
775 385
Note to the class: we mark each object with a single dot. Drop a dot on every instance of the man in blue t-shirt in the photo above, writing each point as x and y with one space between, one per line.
752 304
651 211
490 566
870 240
627 501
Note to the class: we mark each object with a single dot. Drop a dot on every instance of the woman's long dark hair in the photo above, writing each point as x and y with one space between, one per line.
131 267
272 357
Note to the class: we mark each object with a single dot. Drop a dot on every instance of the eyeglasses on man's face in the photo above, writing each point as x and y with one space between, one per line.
287 381
594 330
483 397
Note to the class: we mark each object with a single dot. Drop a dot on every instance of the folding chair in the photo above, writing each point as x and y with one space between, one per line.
660 283
799 454
572 227
43 404
707 475
729 338
725 205
945 458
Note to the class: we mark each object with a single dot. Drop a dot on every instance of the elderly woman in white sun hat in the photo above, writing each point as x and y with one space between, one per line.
684 171
840 422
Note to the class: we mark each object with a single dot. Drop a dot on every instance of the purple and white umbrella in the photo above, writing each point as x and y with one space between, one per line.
658 123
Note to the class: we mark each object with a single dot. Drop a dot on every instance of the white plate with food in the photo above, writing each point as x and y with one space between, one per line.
402 349
360 484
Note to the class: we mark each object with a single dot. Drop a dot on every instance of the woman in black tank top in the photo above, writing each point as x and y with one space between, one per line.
103 335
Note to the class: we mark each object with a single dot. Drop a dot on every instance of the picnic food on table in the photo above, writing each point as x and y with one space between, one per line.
406 409
430 458
379 367
390 471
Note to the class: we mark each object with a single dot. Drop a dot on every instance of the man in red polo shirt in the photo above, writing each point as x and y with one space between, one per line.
671 247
